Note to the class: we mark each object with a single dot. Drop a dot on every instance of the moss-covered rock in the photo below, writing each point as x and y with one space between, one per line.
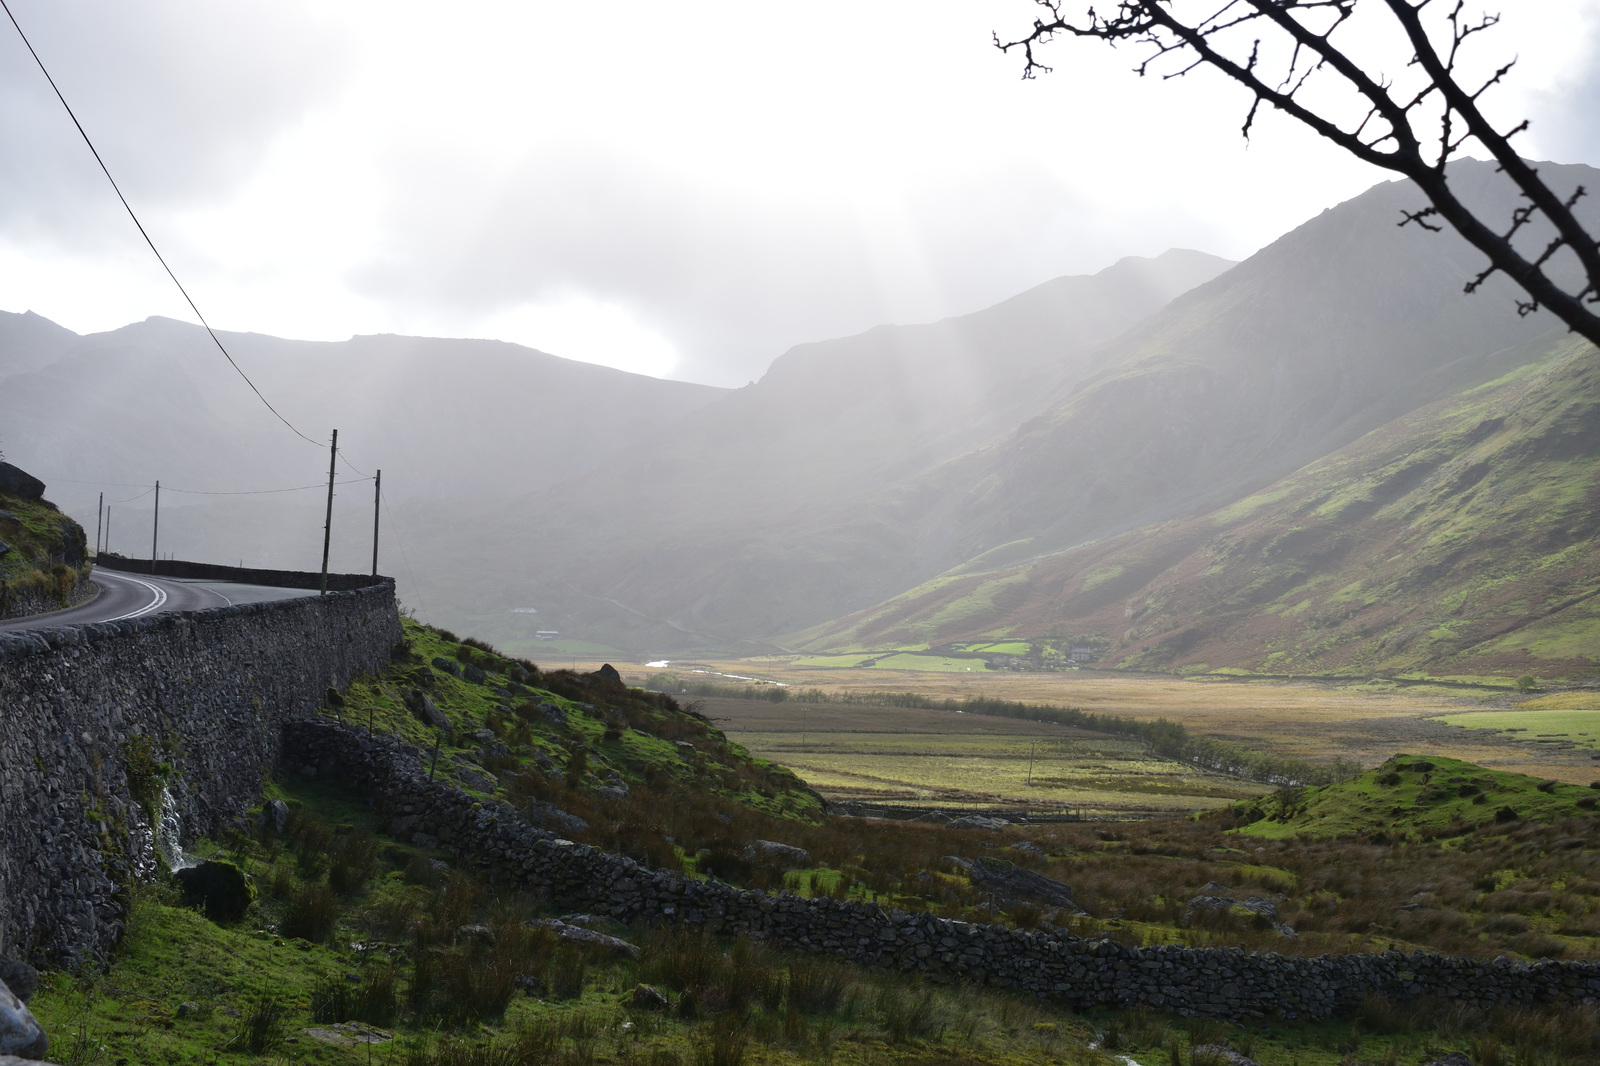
219 887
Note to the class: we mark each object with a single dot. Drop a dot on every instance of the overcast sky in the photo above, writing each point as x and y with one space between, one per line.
681 189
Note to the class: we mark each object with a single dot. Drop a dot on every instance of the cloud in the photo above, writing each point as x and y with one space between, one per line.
182 98
679 190
1566 119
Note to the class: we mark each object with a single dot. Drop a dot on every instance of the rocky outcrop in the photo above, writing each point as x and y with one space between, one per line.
19 483
1010 883
784 856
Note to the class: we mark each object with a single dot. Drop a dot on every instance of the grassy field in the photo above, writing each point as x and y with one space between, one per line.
891 755
1312 720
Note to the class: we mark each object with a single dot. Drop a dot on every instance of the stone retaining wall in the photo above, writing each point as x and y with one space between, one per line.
206 693
1074 972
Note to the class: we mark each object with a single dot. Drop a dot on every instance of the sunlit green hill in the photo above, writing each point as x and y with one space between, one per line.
1411 794
1458 540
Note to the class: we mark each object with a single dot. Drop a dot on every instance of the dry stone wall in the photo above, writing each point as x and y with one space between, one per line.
1074 972
119 739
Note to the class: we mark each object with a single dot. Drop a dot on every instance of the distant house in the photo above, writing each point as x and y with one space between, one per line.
1082 655
546 634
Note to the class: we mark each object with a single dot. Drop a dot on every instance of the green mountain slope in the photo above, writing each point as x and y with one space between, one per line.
1459 539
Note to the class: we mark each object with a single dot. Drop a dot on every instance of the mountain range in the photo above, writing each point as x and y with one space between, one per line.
1325 458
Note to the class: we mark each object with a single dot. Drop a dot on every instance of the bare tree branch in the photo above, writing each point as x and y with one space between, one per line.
1239 37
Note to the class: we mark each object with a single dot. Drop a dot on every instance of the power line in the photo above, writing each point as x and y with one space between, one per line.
201 492
129 208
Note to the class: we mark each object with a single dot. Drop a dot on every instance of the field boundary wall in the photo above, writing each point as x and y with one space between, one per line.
119 739
1074 972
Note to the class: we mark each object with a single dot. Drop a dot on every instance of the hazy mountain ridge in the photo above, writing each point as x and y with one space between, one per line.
768 509
1335 329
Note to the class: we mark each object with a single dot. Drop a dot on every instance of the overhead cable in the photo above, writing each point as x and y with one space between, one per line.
129 208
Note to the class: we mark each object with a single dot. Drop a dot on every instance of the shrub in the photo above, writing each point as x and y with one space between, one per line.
260 1029
313 912
818 986
351 863
725 1048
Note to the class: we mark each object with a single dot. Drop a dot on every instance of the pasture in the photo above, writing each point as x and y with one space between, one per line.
1308 719
890 756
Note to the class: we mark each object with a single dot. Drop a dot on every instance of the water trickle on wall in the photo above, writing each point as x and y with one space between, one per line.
169 833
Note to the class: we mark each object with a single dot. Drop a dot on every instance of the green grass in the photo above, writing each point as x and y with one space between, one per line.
1408 794
1578 727
938 663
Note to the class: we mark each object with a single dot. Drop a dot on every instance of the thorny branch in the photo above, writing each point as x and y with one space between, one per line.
1390 133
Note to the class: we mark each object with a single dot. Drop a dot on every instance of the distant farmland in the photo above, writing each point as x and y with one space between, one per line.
894 756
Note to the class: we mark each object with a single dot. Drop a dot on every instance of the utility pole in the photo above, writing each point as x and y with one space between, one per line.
377 499
99 522
327 529
155 530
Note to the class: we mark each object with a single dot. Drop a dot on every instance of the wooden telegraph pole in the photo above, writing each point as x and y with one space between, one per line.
155 529
99 522
327 528
377 499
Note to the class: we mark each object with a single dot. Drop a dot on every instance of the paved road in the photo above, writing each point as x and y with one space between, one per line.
136 595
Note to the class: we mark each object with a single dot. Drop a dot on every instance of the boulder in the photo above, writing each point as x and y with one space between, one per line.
608 672
978 821
533 986
219 887
553 714
20 483
4 547
649 997
474 674
553 818
785 856
474 776
20 1032
449 666
19 977
613 792
1011 883
428 712
1026 847
275 816
616 945
1219 1055
477 932
1255 905
7 516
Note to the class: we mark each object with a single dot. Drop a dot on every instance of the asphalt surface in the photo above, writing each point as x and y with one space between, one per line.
136 595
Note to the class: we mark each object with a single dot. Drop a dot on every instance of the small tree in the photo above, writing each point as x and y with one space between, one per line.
1526 683
1289 55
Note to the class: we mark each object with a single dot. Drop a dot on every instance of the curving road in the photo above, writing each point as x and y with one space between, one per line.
136 595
